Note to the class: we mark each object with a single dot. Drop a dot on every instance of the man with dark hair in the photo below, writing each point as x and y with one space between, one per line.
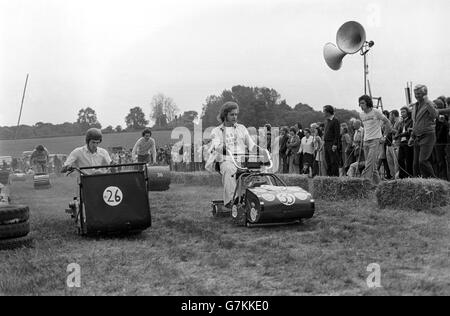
405 152
424 115
392 145
440 155
229 138
90 155
332 137
372 121
144 151
284 138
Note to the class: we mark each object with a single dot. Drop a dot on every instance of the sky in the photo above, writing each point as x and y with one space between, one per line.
113 55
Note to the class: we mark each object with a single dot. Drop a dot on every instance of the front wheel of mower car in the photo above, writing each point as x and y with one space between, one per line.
14 213
214 210
14 230
14 243
239 215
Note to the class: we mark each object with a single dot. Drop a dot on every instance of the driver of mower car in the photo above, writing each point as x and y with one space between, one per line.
90 155
228 139
39 159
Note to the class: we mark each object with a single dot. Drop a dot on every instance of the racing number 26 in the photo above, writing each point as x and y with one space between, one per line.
112 196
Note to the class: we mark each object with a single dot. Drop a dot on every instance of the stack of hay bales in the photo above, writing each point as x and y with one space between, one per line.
295 180
413 194
197 178
343 188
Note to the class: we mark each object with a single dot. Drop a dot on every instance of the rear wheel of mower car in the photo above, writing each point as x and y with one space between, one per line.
14 213
14 243
214 210
14 230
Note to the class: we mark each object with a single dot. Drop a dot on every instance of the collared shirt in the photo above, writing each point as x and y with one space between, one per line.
235 138
81 157
307 145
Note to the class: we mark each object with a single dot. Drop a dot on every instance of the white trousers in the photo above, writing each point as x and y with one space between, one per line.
228 171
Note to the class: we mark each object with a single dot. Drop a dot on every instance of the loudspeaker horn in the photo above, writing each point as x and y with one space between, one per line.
333 56
351 37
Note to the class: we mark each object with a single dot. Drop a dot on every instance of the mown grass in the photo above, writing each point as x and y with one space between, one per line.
187 252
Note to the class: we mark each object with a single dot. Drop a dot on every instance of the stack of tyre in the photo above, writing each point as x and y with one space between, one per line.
14 227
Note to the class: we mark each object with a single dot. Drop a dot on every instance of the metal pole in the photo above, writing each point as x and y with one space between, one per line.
365 74
21 106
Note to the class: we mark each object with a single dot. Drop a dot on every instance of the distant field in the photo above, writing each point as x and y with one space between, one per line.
64 145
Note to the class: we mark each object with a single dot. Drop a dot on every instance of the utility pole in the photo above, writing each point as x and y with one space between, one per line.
21 106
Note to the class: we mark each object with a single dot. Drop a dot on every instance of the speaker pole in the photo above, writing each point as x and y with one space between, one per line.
21 106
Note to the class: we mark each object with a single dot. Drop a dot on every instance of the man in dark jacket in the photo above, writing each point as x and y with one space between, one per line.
284 159
442 137
423 137
332 137
405 153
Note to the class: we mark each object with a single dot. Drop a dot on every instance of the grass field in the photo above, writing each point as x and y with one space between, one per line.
64 145
187 252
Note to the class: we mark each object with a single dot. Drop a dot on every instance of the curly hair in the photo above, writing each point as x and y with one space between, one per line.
226 108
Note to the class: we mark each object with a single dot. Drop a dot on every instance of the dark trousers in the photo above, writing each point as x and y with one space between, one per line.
285 161
332 160
440 158
423 150
387 171
405 161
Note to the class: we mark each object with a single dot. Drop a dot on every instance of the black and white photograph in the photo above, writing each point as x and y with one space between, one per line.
227 155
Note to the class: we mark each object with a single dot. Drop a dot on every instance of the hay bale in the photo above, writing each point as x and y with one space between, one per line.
342 188
298 180
413 194
197 178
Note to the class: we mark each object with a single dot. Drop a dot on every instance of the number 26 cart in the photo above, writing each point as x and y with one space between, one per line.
111 202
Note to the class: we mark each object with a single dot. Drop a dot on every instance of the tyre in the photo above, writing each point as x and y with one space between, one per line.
214 210
14 230
14 214
239 215
14 243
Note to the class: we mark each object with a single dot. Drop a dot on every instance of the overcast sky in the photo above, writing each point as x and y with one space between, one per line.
113 55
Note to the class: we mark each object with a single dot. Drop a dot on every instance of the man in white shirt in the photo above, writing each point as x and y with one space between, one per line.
228 139
372 120
90 155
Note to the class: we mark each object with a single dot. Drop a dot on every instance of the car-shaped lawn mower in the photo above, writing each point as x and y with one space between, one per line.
262 198
111 201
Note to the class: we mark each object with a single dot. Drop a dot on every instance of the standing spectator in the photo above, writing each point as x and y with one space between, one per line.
284 138
405 152
346 152
442 137
332 138
268 137
391 144
357 140
293 146
58 164
39 159
424 115
318 150
382 158
307 150
300 134
372 120
144 151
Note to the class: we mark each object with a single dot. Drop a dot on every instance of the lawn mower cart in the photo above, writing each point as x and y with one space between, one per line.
41 181
113 202
262 199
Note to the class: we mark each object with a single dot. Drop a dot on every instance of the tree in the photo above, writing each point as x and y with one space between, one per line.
119 129
108 130
87 118
189 116
136 119
163 109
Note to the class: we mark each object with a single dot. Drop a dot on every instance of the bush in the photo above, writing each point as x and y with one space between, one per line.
416 194
343 188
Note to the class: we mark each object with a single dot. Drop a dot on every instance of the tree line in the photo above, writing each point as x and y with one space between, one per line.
258 106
